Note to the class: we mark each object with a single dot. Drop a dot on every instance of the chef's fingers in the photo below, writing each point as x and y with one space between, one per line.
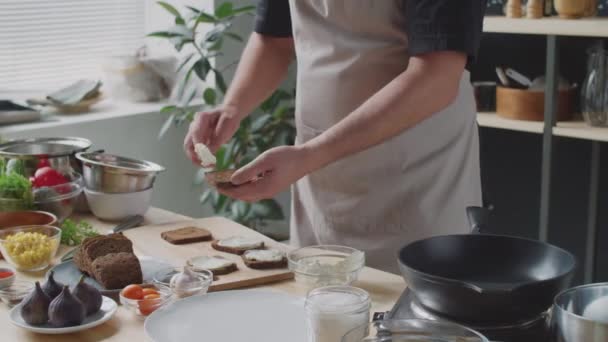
189 149
203 126
221 133
251 171
250 192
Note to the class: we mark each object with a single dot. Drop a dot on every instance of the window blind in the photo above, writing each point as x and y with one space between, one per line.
46 44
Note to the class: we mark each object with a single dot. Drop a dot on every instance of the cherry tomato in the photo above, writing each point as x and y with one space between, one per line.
146 307
152 296
149 291
44 162
5 274
133 292
48 176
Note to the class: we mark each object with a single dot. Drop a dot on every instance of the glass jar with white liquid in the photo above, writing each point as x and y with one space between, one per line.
333 311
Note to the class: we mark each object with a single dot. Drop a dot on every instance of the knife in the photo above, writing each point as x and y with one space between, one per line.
128 223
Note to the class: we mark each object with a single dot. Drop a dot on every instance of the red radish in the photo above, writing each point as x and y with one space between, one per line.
44 162
48 176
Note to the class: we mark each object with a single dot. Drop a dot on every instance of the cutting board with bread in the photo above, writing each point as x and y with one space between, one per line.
241 257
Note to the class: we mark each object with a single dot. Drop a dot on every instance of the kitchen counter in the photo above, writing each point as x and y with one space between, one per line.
384 288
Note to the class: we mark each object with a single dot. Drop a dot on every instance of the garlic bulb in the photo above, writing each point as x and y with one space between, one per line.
185 283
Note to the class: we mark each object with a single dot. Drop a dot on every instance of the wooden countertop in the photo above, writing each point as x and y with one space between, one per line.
383 287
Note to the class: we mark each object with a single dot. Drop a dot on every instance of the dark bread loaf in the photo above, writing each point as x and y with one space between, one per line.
93 248
117 270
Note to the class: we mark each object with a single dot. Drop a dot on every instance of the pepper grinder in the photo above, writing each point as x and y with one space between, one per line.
534 9
513 9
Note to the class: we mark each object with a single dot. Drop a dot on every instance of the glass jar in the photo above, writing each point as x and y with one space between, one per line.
594 92
333 311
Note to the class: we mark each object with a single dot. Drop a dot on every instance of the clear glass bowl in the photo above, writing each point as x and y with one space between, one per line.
30 248
199 286
60 200
326 265
411 330
15 293
144 307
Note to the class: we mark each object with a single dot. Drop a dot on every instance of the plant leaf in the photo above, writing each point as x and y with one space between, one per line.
219 203
170 8
234 36
217 45
210 96
206 196
243 10
260 122
220 155
219 80
239 209
205 18
224 10
268 209
202 68
195 10
164 34
185 61
168 109
180 21
166 126
199 177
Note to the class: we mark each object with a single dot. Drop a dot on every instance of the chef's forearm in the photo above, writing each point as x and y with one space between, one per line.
263 65
429 85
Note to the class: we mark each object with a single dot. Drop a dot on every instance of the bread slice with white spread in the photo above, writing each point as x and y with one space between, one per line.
216 264
264 259
238 244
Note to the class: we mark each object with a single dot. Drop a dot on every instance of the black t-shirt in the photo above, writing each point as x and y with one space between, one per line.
432 25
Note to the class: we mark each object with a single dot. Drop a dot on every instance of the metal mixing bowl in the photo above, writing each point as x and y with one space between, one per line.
59 152
109 173
573 319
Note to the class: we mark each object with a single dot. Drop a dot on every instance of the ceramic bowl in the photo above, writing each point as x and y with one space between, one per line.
116 207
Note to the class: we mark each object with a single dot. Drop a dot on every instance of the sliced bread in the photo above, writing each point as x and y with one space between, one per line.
264 259
186 235
117 270
216 264
237 244
99 246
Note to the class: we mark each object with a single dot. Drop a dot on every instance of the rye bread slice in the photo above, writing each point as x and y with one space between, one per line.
264 265
232 250
186 235
98 246
220 179
217 271
117 270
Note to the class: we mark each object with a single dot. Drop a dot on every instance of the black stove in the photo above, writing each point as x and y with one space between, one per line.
535 330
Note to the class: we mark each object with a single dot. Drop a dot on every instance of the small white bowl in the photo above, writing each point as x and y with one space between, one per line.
116 207
8 281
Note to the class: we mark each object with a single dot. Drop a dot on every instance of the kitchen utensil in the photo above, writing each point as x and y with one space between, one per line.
411 330
26 218
77 108
524 104
105 313
539 83
570 9
60 200
116 207
573 319
594 91
58 151
144 307
15 293
518 77
212 317
505 279
109 173
325 265
7 281
128 223
67 273
504 80
220 228
12 113
30 256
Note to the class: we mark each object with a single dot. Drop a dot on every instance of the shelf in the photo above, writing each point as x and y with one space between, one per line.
494 121
567 129
587 27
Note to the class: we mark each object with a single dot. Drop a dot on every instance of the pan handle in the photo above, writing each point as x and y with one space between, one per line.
490 290
478 219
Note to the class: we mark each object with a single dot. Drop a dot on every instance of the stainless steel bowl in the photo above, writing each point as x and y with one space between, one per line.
58 151
109 173
574 314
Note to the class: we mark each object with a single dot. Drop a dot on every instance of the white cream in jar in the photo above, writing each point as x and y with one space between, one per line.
333 311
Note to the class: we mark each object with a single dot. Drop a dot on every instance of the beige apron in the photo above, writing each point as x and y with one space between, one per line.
413 186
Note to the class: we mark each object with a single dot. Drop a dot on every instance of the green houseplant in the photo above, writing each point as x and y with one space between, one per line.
270 125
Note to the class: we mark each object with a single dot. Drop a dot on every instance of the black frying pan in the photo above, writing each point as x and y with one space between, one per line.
485 279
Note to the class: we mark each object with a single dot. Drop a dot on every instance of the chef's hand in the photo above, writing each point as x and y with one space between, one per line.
212 128
269 174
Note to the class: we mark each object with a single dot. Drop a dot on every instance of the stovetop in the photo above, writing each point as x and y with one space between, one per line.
536 330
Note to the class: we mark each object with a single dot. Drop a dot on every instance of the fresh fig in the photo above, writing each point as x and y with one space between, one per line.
66 310
88 295
51 287
36 307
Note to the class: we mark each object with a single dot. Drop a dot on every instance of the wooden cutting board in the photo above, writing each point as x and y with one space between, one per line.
148 242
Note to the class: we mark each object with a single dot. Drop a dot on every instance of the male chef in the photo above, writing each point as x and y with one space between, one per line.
387 144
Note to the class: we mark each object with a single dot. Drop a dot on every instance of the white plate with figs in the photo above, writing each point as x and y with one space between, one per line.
107 310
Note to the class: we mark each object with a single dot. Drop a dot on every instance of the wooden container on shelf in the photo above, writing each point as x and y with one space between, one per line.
523 104
571 9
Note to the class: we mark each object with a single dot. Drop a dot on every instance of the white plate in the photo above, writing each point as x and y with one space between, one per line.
250 315
108 308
